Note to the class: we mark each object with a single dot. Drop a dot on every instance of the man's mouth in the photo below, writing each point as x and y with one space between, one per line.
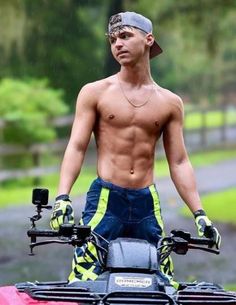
121 53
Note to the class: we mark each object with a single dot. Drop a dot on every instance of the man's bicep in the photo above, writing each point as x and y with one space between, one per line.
84 120
173 139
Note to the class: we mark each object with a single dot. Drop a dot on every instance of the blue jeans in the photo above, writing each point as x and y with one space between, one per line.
113 211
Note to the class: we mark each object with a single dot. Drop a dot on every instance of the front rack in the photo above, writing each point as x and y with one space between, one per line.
65 294
83 295
136 297
192 295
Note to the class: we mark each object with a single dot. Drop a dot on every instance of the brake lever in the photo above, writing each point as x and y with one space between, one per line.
46 242
193 240
204 249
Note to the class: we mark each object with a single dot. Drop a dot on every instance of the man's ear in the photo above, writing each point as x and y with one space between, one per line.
150 39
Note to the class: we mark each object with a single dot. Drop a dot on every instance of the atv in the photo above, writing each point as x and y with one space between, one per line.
131 270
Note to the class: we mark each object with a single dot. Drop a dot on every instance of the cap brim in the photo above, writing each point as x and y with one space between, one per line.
155 50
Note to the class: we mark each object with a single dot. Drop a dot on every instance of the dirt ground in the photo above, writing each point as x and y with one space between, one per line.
54 262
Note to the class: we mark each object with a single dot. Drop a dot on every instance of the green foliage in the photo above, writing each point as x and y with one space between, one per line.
65 41
199 46
27 108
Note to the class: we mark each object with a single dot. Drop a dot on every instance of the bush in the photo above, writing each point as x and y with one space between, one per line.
27 107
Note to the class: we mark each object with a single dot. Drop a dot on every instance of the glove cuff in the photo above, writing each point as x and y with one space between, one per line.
199 213
64 197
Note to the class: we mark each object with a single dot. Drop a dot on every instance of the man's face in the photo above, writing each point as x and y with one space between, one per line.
127 44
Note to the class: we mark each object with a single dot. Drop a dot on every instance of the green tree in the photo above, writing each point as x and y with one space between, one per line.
65 41
27 108
60 40
198 42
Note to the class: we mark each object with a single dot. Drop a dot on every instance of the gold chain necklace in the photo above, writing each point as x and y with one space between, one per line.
131 103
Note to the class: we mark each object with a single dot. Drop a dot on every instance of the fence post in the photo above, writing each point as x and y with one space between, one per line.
204 127
2 124
36 163
224 123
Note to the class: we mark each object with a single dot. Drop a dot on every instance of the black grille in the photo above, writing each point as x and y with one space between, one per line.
65 294
205 297
75 294
134 298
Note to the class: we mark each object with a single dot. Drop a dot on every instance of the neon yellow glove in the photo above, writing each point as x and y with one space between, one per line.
62 212
206 228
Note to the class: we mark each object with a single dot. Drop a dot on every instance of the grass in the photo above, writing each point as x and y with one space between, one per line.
194 120
197 160
20 192
220 205
230 287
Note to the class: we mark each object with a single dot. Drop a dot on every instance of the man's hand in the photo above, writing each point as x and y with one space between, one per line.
206 228
62 212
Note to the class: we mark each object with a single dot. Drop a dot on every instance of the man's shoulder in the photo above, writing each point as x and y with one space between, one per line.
168 94
92 92
99 85
170 97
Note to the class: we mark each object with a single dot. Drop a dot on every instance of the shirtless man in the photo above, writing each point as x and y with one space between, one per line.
127 112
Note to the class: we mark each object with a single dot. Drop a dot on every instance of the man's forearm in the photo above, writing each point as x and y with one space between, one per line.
182 175
70 170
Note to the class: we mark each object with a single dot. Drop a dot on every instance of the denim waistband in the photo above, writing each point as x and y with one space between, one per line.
112 186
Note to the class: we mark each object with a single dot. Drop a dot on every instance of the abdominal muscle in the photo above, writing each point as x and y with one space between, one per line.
126 157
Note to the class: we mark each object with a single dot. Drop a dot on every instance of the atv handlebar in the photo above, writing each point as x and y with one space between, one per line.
42 233
180 242
199 241
65 230
67 234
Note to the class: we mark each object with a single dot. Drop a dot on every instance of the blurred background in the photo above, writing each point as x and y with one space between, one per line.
49 50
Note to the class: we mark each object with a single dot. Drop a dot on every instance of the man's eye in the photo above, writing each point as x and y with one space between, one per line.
112 40
124 36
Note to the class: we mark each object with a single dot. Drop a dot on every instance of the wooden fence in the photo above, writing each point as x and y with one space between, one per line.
210 136
205 137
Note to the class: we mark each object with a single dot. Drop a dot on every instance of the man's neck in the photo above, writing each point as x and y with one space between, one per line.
139 74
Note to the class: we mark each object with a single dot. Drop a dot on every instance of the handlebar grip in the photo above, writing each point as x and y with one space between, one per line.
45 233
201 241
192 240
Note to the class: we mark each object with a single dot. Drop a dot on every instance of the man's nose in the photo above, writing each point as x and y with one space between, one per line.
119 43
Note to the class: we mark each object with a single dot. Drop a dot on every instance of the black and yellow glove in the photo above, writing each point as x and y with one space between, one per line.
206 228
62 212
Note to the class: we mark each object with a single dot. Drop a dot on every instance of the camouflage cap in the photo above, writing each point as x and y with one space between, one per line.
137 21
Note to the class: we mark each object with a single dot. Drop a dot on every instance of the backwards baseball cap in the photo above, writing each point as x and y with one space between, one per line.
137 21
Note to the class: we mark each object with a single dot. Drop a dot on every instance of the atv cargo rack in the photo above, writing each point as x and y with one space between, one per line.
194 297
192 294
84 296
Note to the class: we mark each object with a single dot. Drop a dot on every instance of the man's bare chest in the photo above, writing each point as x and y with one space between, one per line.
119 113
